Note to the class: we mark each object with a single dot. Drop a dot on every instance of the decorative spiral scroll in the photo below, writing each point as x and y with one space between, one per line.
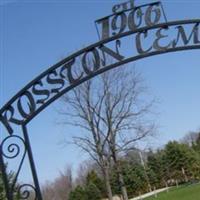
13 149
26 191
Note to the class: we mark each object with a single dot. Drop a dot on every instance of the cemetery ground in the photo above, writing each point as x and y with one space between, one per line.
185 192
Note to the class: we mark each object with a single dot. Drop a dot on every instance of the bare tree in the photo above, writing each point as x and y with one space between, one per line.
190 138
82 172
60 188
125 115
112 111
48 191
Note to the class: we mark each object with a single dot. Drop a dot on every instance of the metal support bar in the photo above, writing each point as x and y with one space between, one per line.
32 164
164 14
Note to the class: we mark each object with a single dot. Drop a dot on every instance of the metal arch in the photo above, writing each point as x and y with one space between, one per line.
27 147
98 44
191 47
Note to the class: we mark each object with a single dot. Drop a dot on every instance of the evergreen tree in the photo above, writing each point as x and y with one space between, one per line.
135 180
2 191
93 178
11 176
115 183
182 159
78 194
92 192
157 168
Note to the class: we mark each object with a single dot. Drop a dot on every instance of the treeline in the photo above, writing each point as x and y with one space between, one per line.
176 163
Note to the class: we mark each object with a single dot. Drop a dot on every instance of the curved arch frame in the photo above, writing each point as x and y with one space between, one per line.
63 65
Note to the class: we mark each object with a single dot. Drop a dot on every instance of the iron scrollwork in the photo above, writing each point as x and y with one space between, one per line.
14 147
12 150
27 191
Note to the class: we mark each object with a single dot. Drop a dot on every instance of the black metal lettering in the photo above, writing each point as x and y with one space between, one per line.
31 105
156 44
68 75
40 92
132 3
105 28
182 34
105 50
120 18
118 45
139 43
6 118
148 15
123 6
86 62
115 8
55 81
137 13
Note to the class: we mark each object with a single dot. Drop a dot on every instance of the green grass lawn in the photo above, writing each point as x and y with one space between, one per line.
190 192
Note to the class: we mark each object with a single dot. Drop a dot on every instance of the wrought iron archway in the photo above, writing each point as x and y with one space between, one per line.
60 79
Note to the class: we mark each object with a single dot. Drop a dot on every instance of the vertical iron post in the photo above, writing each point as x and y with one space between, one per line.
32 164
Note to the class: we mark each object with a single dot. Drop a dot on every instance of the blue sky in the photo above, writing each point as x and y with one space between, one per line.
36 34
